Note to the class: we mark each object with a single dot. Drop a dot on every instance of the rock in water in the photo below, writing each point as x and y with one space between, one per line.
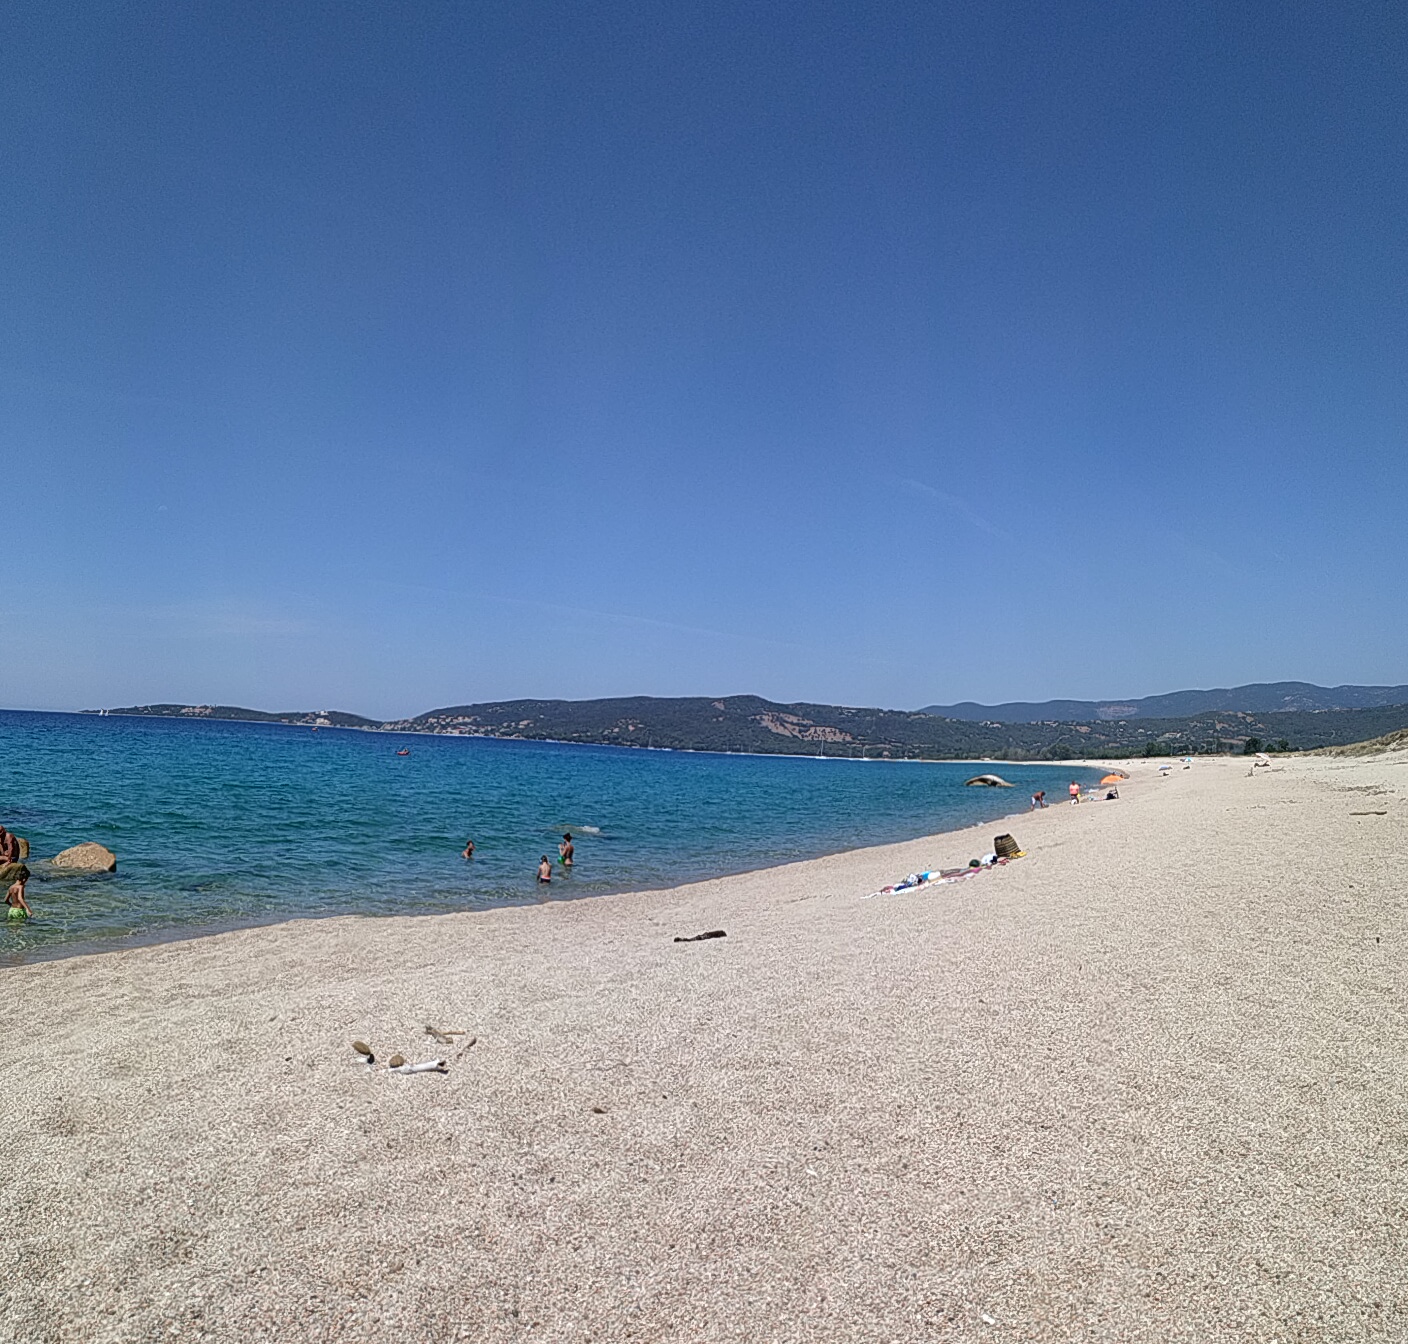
89 858
12 872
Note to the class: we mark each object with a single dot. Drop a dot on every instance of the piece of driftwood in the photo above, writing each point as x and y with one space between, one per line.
700 937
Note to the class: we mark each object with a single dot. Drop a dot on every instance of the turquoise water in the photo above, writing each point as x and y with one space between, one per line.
222 824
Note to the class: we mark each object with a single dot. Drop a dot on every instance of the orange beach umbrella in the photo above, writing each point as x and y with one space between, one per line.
1114 779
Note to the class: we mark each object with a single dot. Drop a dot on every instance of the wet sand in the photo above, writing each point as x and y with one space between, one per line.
1149 1083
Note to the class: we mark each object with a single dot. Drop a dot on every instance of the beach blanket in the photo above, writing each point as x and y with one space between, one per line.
937 879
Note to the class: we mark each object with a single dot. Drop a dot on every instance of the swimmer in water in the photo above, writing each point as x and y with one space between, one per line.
544 869
468 851
14 898
564 850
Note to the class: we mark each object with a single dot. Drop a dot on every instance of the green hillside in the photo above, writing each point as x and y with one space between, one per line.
749 723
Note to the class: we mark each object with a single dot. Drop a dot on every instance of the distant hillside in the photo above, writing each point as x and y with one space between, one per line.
1257 698
749 723
322 718
1397 741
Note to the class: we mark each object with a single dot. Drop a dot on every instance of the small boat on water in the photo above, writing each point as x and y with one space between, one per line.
405 751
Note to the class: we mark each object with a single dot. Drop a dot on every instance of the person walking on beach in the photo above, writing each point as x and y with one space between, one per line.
1074 791
468 851
14 898
544 870
564 850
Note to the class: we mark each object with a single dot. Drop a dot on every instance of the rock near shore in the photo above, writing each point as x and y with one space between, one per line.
89 858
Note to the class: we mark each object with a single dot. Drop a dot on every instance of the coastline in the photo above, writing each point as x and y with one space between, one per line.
1145 1083
386 730
180 933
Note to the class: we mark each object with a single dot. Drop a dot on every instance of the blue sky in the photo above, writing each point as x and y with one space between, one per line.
386 357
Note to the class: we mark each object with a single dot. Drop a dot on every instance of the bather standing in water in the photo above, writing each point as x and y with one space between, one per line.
544 870
14 898
565 851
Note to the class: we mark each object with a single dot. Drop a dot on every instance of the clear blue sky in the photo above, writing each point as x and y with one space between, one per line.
392 356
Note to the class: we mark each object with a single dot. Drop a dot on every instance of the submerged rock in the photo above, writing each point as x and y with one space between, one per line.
89 858
12 872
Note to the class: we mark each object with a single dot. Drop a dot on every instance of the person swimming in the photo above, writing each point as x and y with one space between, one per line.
565 850
468 851
14 898
544 869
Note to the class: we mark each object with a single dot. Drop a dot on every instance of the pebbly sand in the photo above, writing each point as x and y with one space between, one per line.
1149 1083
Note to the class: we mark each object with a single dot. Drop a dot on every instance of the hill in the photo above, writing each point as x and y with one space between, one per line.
1256 698
752 724
1397 741
322 718
749 723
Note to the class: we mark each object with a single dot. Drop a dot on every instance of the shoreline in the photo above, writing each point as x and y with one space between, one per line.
195 933
1150 1082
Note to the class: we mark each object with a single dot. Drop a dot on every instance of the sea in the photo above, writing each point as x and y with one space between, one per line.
220 824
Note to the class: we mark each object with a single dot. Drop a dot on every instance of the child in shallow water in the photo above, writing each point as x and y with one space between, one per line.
14 898
544 870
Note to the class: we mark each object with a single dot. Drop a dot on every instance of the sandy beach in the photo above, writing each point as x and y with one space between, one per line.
1148 1083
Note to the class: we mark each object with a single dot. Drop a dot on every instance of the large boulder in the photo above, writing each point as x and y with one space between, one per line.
12 872
89 858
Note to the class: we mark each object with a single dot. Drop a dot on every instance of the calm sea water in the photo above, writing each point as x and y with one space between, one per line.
221 824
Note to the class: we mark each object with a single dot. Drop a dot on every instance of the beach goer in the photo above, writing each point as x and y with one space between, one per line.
544 869
564 850
9 847
1038 799
1074 791
468 851
18 906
